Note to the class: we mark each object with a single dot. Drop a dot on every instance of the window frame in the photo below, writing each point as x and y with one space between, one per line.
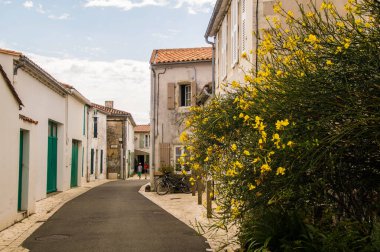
184 99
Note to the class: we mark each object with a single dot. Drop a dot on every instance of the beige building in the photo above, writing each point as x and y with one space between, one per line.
179 77
232 27
120 141
142 144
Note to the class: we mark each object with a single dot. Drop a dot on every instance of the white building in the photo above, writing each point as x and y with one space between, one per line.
41 129
178 78
11 199
97 144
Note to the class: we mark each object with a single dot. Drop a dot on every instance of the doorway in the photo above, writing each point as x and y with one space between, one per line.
74 164
52 158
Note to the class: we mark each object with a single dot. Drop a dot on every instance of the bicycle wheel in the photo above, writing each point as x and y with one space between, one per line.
162 187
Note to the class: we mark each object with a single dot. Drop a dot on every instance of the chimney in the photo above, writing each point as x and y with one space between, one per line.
108 104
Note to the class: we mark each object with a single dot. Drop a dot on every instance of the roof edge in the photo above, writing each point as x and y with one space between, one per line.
10 86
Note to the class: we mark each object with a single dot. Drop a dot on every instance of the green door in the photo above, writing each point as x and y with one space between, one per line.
52 159
20 165
74 164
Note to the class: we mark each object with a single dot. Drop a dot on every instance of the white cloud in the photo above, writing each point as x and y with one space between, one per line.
64 16
193 6
125 4
28 4
40 9
196 6
127 82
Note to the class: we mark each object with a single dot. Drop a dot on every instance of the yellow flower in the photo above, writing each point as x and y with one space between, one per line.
244 55
312 39
233 147
246 117
256 160
310 14
277 7
251 187
265 168
290 14
206 159
235 84
245 152
358 21
290 144
279 73
196 166
280 171
329 62
241 115
340 24
280 124
237 164
183 137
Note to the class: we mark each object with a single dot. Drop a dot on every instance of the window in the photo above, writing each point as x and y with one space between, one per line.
234 32
95 127
84 120
223 56
146 141
101 161
180 153
185 96
92 161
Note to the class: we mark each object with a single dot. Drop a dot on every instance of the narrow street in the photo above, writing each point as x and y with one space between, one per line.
114 217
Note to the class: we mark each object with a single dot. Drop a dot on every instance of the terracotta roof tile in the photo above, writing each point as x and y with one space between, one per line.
27 119
110 111
142 128
162 56
10 52
11 87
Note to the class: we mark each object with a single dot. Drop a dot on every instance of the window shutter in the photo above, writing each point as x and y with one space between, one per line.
193 93
164 155
223 64
243 26
141 136
234 37
171 95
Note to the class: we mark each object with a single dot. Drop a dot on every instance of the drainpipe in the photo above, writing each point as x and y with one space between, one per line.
152 165
213 62
124 144
88 145
257 37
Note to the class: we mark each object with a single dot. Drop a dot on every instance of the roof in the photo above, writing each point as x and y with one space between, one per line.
27 119
10 86
220 10
142 128
181 55
73 91
10 52
114 112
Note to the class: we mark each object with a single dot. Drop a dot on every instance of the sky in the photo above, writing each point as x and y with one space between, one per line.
102 47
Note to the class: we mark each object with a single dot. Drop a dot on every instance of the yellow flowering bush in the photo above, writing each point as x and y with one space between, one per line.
296 146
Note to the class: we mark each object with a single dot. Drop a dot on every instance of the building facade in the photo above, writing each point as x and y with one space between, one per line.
11 180
97 145
232 30
142 144
120 141
178 78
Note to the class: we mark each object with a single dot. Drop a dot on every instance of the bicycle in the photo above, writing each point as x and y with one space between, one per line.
169 182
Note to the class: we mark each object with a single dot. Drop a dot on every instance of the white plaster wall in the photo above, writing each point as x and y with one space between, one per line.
9 155
130 136
42 104
76 118
169 123
99 143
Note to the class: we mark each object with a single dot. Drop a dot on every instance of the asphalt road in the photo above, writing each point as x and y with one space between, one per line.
114 217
